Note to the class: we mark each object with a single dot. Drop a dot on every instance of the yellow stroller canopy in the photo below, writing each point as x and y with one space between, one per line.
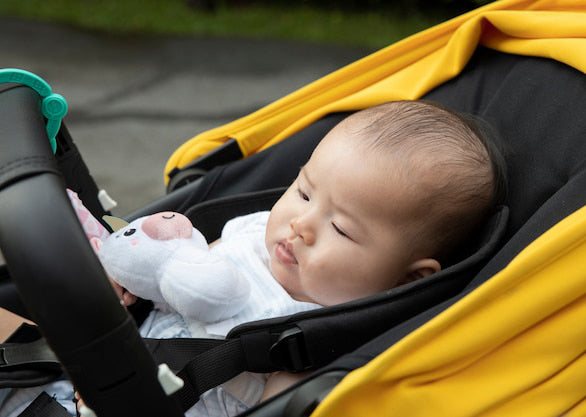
407 70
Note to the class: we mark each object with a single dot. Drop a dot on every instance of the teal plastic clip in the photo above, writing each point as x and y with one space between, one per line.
53 106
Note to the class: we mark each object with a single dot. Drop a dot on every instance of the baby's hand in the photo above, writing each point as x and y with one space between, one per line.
80 407
79 404
126 297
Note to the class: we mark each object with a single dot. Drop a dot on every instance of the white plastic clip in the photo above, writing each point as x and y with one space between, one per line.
107 202
168 380
85 411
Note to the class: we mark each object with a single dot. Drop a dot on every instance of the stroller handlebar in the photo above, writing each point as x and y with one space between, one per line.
58 276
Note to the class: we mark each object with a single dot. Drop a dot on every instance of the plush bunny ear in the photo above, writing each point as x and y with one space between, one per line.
115 223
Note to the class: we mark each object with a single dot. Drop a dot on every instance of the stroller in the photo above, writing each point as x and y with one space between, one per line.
498 333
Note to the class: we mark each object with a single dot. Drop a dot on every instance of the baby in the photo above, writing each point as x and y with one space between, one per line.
386 196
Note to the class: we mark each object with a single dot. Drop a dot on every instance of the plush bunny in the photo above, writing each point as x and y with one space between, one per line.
163 258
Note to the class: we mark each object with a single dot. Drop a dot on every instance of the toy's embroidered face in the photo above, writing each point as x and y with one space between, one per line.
167 226
128 233
164 226
148 242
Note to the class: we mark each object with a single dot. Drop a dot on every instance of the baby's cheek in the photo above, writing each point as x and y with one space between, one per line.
316 267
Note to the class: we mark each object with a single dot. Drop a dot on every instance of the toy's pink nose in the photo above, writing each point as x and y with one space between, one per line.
167 225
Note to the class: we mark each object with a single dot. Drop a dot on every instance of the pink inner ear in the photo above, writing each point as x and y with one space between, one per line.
167 225
96 244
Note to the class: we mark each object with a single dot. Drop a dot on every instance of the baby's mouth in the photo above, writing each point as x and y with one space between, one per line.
284 253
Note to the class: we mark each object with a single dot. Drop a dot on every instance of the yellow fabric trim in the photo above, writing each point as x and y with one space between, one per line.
408 69
513 347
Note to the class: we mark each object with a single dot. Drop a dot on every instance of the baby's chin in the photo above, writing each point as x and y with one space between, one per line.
282 278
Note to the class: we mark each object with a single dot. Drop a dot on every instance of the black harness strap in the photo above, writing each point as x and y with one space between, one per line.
26 360
176 353
201 363
77 175
208 370
37 352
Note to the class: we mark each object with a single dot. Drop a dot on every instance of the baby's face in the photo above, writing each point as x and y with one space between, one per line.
341 231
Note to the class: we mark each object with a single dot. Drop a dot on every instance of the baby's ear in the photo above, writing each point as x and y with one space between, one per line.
420 269
96 244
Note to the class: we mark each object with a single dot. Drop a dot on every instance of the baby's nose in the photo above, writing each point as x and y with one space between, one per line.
301 228
167 225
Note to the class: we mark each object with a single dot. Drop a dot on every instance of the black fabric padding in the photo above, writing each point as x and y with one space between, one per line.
537 106
209 218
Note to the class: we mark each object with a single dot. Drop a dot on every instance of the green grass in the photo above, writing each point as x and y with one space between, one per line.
174 17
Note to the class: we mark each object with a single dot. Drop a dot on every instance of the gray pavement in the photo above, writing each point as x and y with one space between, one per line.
134 99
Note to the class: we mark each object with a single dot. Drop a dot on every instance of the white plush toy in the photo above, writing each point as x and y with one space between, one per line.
163 258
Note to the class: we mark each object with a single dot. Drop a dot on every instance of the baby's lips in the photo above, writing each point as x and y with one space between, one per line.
285 254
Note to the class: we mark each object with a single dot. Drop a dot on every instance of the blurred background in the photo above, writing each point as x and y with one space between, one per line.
143 76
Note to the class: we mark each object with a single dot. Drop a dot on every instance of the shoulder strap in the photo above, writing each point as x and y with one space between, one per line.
77 175
26 360
201 363
197 363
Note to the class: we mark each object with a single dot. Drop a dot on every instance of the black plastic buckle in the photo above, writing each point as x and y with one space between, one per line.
289 351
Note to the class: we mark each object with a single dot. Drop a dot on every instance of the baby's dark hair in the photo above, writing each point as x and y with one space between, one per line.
452 160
